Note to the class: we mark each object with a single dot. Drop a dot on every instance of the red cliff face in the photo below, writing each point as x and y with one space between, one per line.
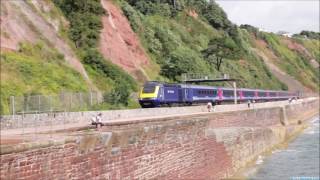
120 44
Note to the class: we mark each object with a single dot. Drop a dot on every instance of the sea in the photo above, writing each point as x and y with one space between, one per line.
299 161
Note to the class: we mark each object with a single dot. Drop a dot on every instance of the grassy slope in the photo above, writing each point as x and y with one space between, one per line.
294 63
36 69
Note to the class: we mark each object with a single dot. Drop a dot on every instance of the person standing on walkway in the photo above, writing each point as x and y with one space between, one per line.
249 103
209 106
253 103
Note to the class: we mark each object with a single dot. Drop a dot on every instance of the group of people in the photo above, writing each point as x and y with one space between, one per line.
211 107
251 102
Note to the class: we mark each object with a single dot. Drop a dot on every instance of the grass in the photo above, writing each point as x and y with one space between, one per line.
36 69
293 63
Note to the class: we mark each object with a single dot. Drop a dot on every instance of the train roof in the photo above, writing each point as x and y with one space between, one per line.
208 87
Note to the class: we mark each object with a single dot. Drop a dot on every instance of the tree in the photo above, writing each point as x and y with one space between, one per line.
219 49
310 34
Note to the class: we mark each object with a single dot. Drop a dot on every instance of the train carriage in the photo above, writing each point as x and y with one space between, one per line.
155 94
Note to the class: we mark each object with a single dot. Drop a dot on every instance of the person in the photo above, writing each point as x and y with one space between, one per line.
249 103
253 102
214 106
97 120
209 106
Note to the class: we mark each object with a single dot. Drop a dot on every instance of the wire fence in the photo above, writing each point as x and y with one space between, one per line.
65 101
193 76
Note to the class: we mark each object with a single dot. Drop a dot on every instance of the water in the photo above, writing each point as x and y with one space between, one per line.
300 161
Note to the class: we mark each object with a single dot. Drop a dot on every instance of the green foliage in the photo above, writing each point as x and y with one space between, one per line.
85 20
177 43
94 59
309 34
251 29
36 69
85 26
119 95
220 48
182 60
295 64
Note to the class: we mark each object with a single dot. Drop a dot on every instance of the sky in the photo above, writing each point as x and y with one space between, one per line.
274 15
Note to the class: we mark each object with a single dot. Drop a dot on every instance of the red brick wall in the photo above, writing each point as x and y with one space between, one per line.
209 146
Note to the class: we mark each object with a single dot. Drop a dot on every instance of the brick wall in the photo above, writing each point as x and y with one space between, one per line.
208 146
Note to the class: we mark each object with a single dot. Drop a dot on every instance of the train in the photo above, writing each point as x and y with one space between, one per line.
157 94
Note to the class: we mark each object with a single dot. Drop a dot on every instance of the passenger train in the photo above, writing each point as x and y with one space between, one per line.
156 94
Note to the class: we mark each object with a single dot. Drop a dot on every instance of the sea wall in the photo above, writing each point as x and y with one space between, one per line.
204 146
59 118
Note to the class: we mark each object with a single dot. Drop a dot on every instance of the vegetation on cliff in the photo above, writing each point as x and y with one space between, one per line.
85 25
180 42
36 69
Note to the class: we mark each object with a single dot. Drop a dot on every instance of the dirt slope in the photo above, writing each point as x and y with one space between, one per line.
20 22
120 44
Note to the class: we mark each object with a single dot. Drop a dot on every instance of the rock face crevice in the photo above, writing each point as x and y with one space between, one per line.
119 44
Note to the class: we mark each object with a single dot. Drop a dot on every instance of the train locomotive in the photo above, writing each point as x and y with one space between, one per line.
156 94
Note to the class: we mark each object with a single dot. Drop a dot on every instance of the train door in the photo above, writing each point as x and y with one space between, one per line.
180 94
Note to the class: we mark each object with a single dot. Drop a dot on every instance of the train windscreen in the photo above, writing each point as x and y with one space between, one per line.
149 88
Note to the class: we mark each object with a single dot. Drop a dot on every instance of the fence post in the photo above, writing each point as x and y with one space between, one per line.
235 92
70 101
80 99
39 102
22 119
90 98
12 105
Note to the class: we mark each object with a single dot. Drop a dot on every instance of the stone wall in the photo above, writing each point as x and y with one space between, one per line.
56 118
206 146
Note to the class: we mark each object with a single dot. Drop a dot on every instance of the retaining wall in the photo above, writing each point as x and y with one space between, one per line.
58 118
207 146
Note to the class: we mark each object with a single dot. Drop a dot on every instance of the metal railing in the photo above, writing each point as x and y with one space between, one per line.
192 76
65 101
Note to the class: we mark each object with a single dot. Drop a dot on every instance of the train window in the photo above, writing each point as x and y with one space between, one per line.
283 94
261 94
149 89
228 93
272 94
249 93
